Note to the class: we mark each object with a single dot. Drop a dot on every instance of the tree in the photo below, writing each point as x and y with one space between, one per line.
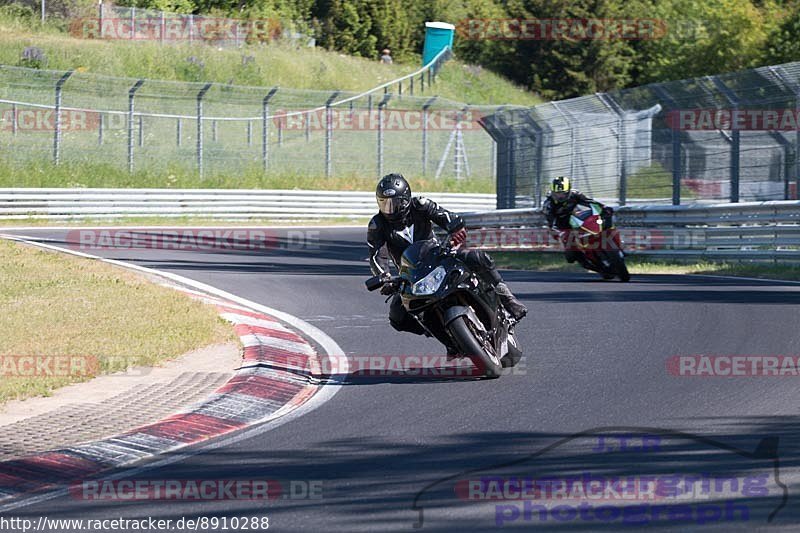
783 42
703 38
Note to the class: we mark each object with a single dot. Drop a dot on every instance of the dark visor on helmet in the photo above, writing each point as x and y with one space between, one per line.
390 206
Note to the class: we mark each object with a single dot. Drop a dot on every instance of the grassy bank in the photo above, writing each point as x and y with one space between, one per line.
106 318
164 158
554 262
255 65
191 222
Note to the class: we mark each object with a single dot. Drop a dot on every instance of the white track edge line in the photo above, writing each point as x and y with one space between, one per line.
265 425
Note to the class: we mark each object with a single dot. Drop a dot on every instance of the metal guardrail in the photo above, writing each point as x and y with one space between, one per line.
738 231
229 204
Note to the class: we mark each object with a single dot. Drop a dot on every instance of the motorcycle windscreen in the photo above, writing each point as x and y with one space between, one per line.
587 219
414 263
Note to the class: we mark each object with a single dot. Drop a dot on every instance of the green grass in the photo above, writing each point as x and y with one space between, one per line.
111 319
233 159
274 64
654 182
193 222
554 262
89 174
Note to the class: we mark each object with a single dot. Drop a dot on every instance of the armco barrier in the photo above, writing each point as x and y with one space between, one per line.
740 231
225 204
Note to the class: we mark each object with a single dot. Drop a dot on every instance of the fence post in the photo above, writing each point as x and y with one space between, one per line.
200 95
179 132
677 166
381 107
329 134
735 137
214 132
411 86
422 82
57 115
249 133
133 23
100 16
493 160
265 128
425 108
539 172
131 98
538 136
13 119
621 144
163 27
100 127
308 126
141 131
677 159
735 159
457 154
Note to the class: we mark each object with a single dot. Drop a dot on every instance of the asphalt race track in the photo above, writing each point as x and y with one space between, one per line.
386 449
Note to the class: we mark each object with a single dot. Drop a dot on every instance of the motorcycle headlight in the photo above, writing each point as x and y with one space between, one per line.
430 283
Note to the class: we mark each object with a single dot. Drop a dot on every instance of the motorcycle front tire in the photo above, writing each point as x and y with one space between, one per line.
471 347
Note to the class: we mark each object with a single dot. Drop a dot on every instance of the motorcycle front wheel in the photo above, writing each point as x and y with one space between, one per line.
484 357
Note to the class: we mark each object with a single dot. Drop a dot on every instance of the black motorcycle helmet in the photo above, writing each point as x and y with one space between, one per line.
394 197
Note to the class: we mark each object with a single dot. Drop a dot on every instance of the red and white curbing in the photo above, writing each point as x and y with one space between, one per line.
275 379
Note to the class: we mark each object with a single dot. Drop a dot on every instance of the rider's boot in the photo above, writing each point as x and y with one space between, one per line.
510 302
516 308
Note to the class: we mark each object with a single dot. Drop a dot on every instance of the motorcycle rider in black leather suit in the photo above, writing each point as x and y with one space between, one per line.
402 220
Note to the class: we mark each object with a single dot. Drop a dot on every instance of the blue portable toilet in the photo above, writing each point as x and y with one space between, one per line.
438 36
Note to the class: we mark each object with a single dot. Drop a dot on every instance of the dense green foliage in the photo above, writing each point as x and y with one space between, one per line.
696 37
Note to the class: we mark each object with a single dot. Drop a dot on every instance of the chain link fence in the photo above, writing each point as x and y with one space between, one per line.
223 129
732 137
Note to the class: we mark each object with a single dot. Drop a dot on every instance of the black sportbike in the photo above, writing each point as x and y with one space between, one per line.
443 294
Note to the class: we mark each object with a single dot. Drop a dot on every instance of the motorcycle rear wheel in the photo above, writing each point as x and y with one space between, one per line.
472 347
